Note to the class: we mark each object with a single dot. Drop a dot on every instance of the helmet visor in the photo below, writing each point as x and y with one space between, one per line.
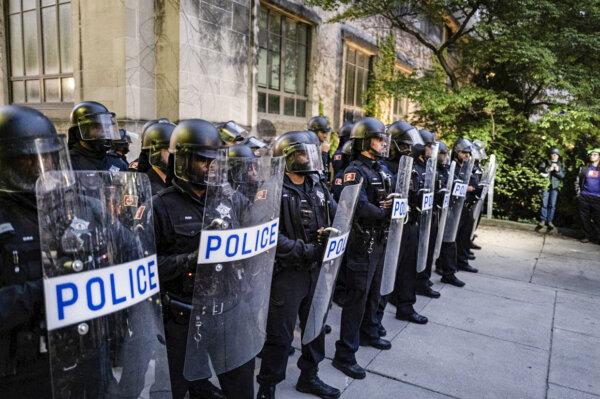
99 127
231 131
303 157
379 143
200 165
253 142
415 136
24 160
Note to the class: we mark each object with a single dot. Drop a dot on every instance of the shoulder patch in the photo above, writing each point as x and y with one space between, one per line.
337 157
133 165
140 213
130 200
349 177
261 195
338 181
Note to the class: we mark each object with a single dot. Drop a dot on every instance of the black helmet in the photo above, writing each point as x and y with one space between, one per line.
479 150
254 143
366 129
241 151
318 124
28 145
427 137
291 145
443 155
157 137
194 141
462 145
404 133
230 132
443 148
344 133
122 145
97 125
347 153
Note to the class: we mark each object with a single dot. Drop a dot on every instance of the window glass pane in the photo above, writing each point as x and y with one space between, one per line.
50 40
274 42
291 67
14 6
31 44
301 82
275 70
48 2
301 108
273 104
51 90
262 68
288 106
349 88
290 29
360 59
33 91
18 91
275 23
262 28
68 87
359 87
66 59
262 102
301 33
29 4
350 55
16 50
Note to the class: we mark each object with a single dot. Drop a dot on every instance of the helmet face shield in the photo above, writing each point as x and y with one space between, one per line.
199 165
444 158
378 143
415 136
99 127
303 158
231 131
24 160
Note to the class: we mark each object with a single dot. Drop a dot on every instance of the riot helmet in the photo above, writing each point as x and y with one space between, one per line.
301 153
344 133
462 146
255 144
403 137
318 124
195 146
424 149
347 153
122 144
478 150
443 153
29 146
231 133
97 126
244 168
156 144
365 131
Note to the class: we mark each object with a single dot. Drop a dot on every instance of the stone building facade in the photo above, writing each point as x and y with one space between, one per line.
268 65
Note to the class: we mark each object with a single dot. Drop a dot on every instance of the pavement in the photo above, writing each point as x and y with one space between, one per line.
526 326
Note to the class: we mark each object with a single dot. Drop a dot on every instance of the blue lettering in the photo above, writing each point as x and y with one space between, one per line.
256 242
227 247
113 291
264 238
131 283
61 302
140 290
88 289
331 248
396 207
244 250
273 231
151 274
210 248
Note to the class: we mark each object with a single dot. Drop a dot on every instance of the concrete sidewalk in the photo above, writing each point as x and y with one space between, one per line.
526 326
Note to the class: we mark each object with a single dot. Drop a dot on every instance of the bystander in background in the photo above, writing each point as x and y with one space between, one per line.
587 186
553 170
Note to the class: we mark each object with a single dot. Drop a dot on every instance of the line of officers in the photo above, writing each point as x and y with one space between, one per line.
177 160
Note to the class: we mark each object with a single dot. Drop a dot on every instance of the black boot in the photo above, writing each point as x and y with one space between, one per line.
266 392
311 383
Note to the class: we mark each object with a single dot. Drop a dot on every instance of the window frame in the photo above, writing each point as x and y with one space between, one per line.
354 109
282 93
40 77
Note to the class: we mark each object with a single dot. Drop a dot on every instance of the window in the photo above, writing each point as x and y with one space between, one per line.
41 66
282 64
355 86
399 109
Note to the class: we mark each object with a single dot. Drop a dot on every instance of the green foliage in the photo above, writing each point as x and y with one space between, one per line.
321 107
384 71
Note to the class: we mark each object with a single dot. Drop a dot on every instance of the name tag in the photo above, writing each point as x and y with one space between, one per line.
399 208
427 202
335 247
446 200
78 297
231 245
460 190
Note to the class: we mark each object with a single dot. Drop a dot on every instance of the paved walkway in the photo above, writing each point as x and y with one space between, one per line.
526 326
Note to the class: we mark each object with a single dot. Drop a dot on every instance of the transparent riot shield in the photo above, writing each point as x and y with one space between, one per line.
332 258
232 283
101 285
489 171
457 199
398 218
444 213
427 194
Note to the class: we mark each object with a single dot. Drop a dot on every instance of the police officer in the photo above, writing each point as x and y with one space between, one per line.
142 163
337 161
320 125
120 148
422 154
93 127
306 209
179 212
24 363
467 219
364 257
346 156
155 147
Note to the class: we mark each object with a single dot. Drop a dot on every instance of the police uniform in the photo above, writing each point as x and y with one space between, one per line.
178 216
337 161
304 209
338 185
364 259
467 220
156 182
84 159
446 262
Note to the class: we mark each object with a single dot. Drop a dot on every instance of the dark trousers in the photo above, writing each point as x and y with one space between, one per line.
237 383
424 276
360 315
447 260
403 295
548 205
463 237
291 296
32 381
589 211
